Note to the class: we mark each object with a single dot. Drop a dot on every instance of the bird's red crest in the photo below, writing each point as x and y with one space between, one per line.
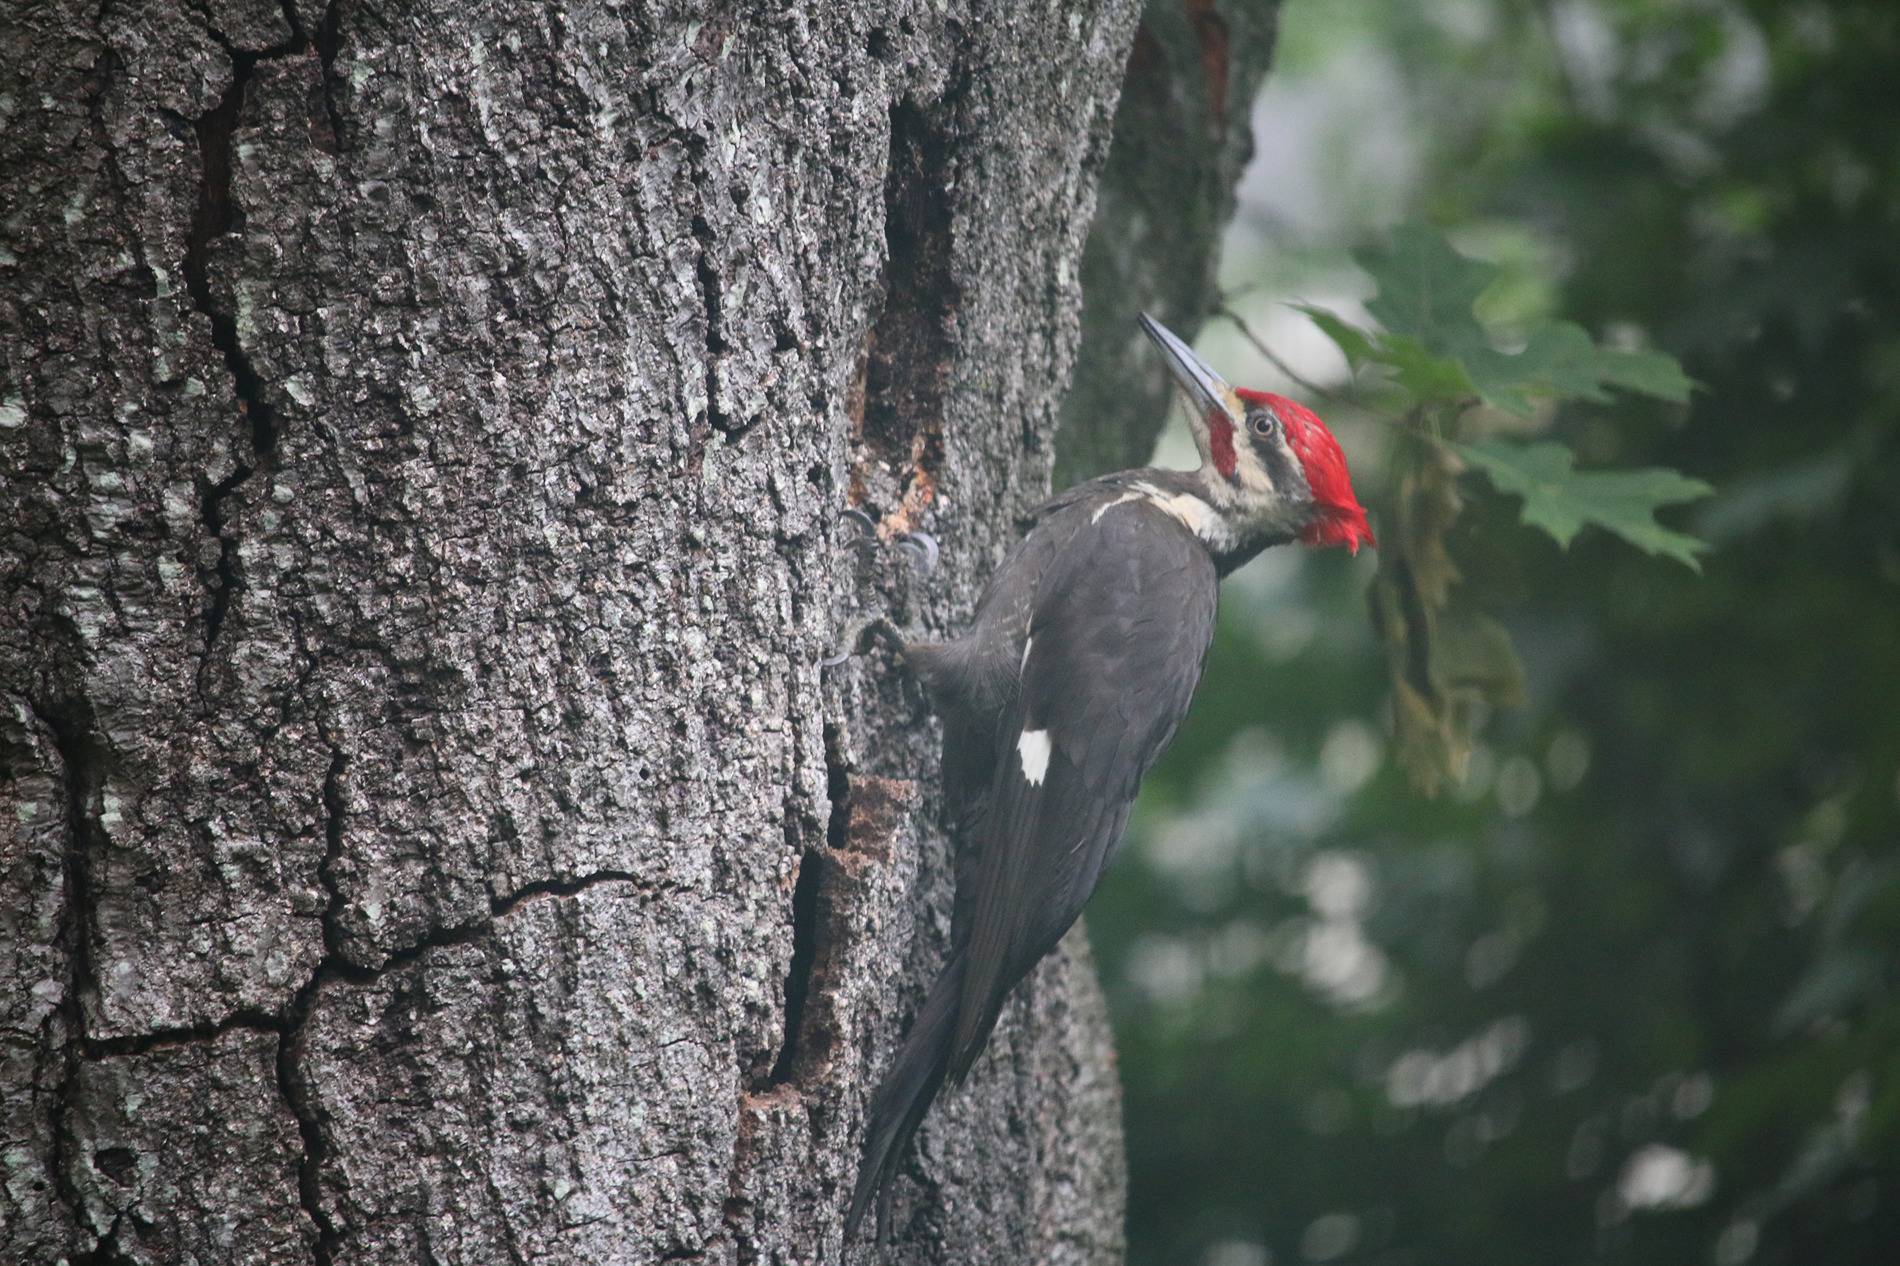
1341 519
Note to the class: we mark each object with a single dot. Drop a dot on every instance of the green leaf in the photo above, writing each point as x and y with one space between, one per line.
1561 500
1426 290
1646 373
1418 370
1558 360
1440 350
1426 376
1352 341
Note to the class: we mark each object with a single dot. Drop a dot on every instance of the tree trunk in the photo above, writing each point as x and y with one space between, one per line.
431 835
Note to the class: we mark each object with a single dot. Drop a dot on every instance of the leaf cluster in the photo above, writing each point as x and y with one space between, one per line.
1459 389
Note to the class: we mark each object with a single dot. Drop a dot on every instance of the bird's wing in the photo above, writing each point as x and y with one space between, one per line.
1119 626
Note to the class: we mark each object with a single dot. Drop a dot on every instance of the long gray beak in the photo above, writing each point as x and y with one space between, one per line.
1206 390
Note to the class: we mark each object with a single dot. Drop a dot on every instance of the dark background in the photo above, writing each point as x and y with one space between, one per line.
1627 994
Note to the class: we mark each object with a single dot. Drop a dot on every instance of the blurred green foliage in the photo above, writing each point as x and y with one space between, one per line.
1626 992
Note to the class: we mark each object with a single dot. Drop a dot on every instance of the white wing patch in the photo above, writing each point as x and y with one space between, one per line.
1027 643
1033 747
1107 506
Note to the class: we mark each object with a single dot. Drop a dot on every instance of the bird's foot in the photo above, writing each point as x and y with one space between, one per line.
877 628
920 549
919 553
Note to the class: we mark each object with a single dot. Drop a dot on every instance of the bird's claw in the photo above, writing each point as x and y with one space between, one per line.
921 547
919 550
878 628
863 529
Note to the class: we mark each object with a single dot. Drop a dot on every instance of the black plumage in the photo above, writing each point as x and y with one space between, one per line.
1114 603
1077 666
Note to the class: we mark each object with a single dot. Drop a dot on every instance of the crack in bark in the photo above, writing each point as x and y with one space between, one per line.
74 733
325 42
786 1068
800 1047
297 1094
837 786
106 1251
299 1098
295 1089
329 42
716 345
502 907
332 849
74 728
865 813
215 216
336 966
127 1045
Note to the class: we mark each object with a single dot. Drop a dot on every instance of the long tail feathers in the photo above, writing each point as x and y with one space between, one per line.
907 1092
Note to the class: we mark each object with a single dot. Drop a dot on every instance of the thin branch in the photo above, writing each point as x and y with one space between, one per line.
1222 310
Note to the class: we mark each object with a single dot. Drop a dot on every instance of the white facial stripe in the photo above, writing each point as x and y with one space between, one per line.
1251 470
1102 510
1034 749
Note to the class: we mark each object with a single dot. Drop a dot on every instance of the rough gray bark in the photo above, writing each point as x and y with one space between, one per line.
428 834
1164 199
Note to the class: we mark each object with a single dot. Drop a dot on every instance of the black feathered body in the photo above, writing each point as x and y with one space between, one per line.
1079 663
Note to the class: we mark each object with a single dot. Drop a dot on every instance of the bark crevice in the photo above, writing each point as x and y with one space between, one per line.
710 286
133 1044
329 42
106 1251
300 1098
333 811
83 765
837 787
502 906
83 759
295 1090
297 1093
217 215
786 1067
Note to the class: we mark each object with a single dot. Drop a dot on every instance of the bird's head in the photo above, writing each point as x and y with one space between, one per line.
1264 458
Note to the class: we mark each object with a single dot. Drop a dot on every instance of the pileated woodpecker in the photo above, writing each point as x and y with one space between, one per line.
1084 651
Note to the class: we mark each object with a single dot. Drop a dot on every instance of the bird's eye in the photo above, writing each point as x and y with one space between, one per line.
1263 423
